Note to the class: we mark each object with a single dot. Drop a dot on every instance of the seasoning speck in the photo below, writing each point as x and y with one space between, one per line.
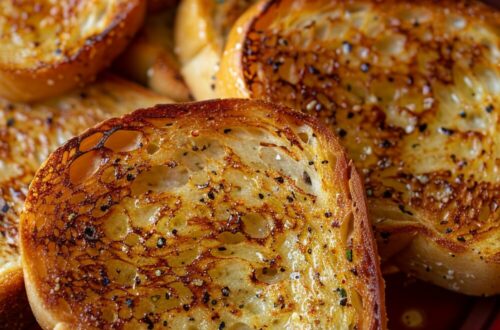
343 296
161 242
365 67
307 178
349 255
225 291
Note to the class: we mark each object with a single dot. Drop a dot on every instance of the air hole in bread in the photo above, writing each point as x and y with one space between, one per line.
230 238
152 148
166 224
160 179
124 141
84 167
269 275
391 44
121 272
347 228
240 326
256 225
142 216
116 226
193 161
183 258
304 137
90 142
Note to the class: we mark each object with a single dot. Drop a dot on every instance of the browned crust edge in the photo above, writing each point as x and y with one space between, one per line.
31 84
15 312
373 315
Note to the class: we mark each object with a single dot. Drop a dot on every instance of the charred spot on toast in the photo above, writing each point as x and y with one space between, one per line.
202 229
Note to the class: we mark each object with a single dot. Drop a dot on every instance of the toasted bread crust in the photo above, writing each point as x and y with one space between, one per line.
388 84
72 304
15 312
54 65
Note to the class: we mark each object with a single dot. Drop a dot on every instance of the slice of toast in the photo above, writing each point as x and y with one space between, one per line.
228 214
150 58
413 91
50 47
28 134
201 30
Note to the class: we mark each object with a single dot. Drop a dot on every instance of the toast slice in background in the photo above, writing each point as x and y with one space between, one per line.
150 59
201 29
28 134
234 214
50 47
413 91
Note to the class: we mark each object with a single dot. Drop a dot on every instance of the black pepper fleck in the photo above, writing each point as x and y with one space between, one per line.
365 67
446 131
105 281
307 178
346 47
225 291
348 254
211 195
90 233
205 298
161 242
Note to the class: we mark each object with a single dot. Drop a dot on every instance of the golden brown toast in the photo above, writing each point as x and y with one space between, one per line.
413 91
225 214
28 133
150 59
201 30
50 47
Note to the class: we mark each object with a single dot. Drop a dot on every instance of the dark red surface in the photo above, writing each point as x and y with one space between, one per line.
412 304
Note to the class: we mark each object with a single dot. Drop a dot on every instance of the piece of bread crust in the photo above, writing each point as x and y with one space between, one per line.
225 213
412 89
150 59
200 31
57 46
29 133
